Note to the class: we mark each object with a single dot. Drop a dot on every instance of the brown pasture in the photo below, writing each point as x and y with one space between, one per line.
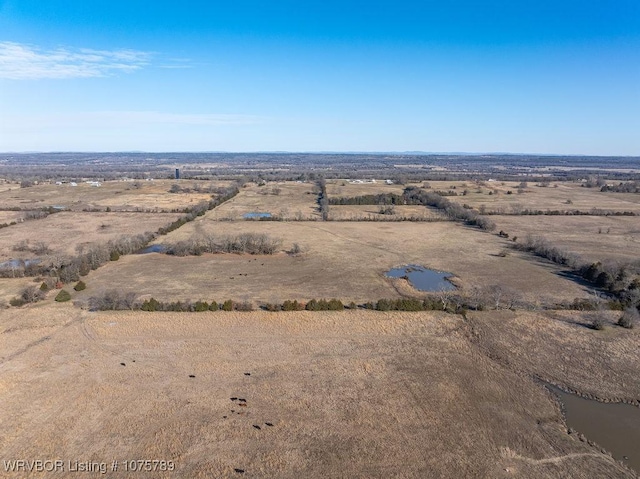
117 195
557 196
343 188
349 394
346 260
64 232
562 348
286 200
595 238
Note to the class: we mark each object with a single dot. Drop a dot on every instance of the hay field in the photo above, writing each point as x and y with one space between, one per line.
64 231
346 260
118 195
561 347
349 394
596 238
540 198
342 188
287 200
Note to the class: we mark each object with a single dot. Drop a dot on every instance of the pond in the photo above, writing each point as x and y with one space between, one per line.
614 426
256 215
18 263
154 248
423 279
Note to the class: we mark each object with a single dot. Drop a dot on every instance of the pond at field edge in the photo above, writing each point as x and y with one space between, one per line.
423 279
256 215
154 248
613 426
18 263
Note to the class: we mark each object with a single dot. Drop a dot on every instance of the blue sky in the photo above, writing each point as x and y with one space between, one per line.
538 76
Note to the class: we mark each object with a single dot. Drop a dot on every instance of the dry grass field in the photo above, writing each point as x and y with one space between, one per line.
12 287
562 348
117 195
354 393
342 188
557 196
64 231
348 394
345 260
287 200
596 238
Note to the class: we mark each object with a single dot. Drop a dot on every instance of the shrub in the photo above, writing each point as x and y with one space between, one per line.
17 302
292 306
150 305
113 300
81 286
214 306
44 286
244 306
63 296
115 256
201 306
383 305
335 305
598 324
227 305
629 318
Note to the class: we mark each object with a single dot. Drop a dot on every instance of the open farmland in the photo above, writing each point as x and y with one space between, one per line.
286 200
345 189
348 394
346 260
116 195
64 232
558 196
595 238
561 347
263 392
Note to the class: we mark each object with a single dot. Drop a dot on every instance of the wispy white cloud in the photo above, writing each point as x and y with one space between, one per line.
20 61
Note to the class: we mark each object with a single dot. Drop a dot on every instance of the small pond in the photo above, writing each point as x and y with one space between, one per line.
614 426
423 279
154 248
256 215
18 263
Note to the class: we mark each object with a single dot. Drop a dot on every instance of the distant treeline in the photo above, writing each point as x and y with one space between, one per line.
323 199
450 209
378 200
620 280
629 187
303 166
530 212
249 243
417 196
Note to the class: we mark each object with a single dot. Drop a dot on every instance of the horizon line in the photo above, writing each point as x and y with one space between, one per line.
318 152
